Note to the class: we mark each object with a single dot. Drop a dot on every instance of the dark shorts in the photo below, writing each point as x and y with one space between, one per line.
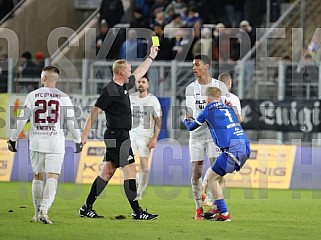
118 149
224 163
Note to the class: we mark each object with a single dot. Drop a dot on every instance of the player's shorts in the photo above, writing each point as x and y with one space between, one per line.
139 146
232 159
198 148
118 149
46 162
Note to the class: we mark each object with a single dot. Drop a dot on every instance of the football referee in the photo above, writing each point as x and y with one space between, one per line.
114 101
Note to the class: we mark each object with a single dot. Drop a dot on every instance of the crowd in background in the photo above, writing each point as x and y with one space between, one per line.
204 26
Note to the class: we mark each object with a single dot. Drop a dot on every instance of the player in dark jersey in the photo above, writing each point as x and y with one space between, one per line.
229 136
114 101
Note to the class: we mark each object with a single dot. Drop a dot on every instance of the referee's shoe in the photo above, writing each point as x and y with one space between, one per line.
84 211
144 215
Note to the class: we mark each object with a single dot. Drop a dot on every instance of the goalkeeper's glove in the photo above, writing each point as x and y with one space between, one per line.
78 147
12 146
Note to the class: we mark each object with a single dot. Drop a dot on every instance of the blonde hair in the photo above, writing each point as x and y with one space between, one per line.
119 65
213 92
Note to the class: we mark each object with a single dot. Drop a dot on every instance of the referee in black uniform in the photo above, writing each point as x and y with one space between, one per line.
114 101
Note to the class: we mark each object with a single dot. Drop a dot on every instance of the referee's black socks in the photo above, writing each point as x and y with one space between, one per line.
131 193
96 189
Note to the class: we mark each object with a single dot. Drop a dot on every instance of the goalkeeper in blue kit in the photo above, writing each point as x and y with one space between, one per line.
229 136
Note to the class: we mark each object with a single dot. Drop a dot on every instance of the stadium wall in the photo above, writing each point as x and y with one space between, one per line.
270 166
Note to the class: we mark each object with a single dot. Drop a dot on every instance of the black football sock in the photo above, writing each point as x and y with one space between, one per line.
131 193
96 189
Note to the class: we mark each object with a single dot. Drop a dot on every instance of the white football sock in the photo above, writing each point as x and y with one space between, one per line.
197 192
49 194
37 190
142 182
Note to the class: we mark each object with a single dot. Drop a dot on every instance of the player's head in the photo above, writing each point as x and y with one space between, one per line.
49 76
121 70
142 84
213 94
201 65
227 79
204 58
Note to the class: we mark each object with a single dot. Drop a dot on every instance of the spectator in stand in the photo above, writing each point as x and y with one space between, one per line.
179 6
40 61
108 52
204 45
103 30
170 30
158 6
160 18
216 33
28 69
246 29
234 11
182 50
246 32
139 20
112 11
165 44
191 18
133 48
144 7
6 7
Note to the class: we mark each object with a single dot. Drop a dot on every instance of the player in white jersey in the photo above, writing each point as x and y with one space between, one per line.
235 101
48 109
200 141
236 105
146 125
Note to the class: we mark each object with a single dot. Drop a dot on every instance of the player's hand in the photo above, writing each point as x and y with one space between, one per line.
12 146
228 103
152 143
83 139
78 147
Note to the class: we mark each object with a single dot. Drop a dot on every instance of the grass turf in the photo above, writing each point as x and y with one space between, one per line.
256 214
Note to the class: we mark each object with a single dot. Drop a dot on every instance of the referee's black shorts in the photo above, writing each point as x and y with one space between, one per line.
118 149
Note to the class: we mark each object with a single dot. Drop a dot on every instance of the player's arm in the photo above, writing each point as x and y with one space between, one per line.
89 122
158 125
24 116
142 69
193 124
73 125
190 102
238 110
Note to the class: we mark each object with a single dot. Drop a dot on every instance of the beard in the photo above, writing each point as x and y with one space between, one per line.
141 89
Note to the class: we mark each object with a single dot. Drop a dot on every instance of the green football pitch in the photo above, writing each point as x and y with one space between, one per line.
256 214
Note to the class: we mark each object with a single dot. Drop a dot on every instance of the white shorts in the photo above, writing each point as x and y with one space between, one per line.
46 162
139 146
198 148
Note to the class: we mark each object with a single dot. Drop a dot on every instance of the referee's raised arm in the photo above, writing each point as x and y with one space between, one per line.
143 68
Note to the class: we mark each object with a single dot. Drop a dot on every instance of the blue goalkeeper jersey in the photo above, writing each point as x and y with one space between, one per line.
223 123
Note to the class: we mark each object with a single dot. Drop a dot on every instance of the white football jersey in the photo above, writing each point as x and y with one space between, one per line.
49 111
196 102
236 104
144 110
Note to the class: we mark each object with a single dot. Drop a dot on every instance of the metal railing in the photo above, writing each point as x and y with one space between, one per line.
11 13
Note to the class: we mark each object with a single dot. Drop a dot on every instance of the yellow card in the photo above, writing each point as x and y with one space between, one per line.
155 40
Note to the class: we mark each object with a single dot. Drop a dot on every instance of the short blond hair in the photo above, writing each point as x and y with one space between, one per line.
213 92
119 65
